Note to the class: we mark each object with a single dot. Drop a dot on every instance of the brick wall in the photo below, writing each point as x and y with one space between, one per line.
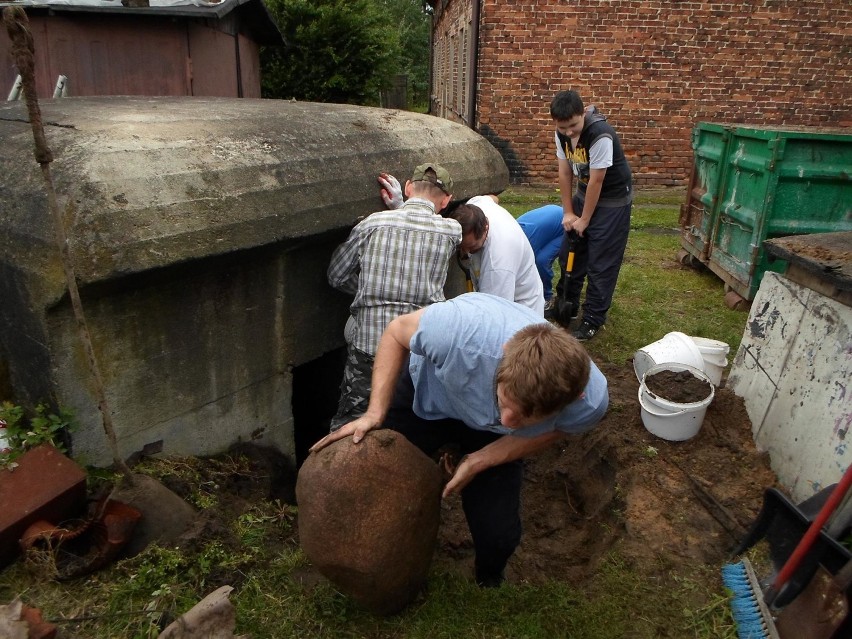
655 68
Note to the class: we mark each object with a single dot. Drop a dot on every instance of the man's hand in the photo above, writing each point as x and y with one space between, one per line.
391 191
568 220
357 429
463 475
580 225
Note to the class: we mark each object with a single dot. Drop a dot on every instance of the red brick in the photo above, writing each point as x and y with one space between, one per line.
678 63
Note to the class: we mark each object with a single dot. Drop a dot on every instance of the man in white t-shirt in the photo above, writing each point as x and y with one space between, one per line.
499 256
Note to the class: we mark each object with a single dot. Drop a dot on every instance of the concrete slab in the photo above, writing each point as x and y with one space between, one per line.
793 370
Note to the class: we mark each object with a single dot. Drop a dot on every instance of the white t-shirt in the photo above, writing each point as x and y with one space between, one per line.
505 266
600 155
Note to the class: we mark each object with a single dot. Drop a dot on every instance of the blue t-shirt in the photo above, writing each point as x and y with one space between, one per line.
454 358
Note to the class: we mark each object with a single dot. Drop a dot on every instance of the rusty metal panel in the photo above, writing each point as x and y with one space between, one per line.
214 62
8 71
47 486
105 55
113 55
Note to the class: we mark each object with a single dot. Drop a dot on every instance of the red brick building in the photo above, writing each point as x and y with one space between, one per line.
654 67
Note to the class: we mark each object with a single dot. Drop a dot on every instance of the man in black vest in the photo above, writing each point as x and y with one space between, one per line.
597 218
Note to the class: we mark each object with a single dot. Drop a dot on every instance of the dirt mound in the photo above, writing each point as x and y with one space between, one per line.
619 486
659 503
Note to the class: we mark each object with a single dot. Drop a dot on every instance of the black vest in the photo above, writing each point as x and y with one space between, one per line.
617 189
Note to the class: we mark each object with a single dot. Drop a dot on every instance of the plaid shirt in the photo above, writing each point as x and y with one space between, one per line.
394 262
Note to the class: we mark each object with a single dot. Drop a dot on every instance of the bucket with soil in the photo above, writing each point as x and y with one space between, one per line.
674 399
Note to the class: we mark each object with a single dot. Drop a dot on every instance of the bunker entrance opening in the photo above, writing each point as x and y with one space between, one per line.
316 388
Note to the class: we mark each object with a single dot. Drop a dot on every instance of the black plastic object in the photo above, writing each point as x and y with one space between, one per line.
783 524
566 309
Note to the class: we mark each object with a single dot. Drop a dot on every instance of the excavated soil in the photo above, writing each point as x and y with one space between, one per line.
681 387
659 504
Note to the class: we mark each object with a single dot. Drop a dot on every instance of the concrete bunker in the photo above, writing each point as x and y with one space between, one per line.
201 230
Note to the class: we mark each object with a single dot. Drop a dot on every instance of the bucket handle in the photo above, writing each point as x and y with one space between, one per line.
655 413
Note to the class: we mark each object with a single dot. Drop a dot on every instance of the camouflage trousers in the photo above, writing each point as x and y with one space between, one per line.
355 388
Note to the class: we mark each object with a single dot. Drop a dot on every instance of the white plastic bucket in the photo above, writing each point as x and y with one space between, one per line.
670 420
715 355
711 347
672 347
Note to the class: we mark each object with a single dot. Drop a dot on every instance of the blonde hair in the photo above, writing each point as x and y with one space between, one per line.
543 369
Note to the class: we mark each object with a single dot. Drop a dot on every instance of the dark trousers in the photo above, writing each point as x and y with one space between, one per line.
597 260
491 501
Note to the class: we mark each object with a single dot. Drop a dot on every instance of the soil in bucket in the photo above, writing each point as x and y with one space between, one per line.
681 387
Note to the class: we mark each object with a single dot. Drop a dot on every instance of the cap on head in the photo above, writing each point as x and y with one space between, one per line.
441 178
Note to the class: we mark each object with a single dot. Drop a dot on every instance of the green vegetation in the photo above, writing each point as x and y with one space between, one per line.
347 51
259 556
23 431
655 293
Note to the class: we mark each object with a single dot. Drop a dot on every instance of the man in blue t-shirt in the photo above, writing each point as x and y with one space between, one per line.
488 375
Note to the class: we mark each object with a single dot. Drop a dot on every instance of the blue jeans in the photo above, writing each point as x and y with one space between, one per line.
543 228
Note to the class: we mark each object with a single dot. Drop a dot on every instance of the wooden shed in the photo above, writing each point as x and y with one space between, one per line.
170 48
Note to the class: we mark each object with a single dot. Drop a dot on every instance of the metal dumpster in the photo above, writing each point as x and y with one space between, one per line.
749 184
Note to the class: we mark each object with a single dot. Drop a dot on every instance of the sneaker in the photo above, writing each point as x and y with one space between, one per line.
586 331
550 308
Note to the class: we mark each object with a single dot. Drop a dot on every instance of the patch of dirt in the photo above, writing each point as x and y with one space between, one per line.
660 504
680 387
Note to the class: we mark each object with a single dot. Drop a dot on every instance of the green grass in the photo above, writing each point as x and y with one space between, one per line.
276 597
129 599
655 294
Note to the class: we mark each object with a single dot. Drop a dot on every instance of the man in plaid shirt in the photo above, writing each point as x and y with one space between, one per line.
394 262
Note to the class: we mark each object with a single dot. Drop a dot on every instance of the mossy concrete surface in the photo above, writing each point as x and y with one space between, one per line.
200 230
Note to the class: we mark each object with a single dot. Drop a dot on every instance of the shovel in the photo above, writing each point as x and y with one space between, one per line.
820 610
566 310
164 514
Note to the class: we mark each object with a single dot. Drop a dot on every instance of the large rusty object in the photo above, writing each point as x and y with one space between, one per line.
45 485
368 518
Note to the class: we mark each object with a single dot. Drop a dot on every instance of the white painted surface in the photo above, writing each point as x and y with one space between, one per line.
794 371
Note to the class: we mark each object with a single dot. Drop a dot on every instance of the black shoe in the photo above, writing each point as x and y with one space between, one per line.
561 312
586 331
490 581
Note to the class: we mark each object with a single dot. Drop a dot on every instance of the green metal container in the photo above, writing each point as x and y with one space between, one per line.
750 184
